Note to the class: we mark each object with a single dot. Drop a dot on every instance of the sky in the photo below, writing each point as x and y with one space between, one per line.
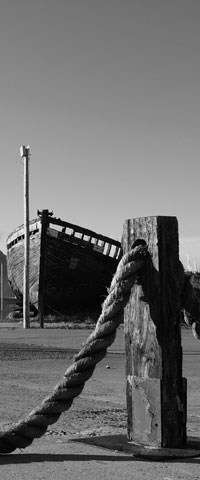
107 95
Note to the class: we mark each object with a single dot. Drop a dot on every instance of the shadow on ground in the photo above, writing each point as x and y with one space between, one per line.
27 458
21 458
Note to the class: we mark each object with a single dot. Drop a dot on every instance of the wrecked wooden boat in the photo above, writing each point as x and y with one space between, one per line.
69 266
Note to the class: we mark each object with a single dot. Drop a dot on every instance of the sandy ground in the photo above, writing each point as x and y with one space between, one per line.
32 362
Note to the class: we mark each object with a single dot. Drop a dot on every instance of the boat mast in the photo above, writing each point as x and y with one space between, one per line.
25 154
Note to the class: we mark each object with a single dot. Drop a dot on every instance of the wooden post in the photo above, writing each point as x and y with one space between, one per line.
1 291
26 305
156 391
45 224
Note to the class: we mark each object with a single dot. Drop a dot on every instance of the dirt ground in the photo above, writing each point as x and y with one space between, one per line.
32 361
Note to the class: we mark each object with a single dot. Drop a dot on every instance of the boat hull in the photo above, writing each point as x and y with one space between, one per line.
70 267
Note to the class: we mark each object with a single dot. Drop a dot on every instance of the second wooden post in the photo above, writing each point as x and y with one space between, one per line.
156 391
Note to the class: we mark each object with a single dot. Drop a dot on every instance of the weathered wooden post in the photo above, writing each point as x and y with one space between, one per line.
156 391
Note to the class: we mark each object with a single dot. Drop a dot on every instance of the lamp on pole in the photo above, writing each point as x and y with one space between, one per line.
25 154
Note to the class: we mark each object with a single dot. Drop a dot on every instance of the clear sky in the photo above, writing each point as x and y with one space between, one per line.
107 95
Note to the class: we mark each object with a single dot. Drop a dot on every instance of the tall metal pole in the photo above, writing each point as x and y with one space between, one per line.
25 153
1 291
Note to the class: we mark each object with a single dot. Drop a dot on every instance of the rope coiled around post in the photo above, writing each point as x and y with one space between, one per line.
21 434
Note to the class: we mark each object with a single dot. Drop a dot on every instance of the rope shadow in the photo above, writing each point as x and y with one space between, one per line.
20 458
28 458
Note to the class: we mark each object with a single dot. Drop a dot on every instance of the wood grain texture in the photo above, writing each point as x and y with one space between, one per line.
42 272
70 266
75 276
152 320
15 266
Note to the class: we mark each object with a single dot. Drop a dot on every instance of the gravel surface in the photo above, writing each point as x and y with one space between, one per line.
33 361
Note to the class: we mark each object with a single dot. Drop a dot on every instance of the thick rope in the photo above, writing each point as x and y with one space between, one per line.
21 434
191 306
190 301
